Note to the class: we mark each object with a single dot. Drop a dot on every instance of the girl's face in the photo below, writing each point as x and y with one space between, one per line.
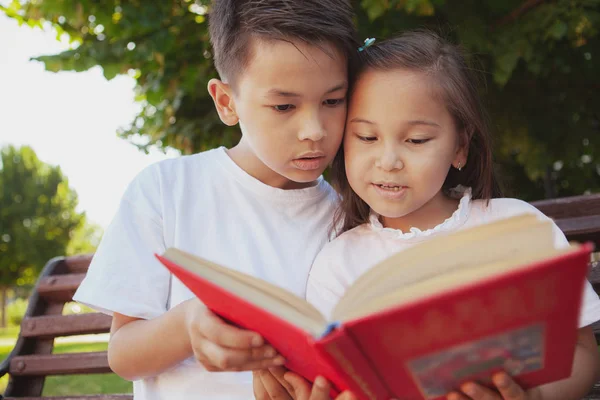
399 144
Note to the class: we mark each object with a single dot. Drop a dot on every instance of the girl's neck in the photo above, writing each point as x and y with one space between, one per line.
430 215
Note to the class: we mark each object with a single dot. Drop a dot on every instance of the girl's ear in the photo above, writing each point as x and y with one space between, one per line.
222 96
462 153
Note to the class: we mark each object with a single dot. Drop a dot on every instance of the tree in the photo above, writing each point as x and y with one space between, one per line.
37 217
538 57
85 238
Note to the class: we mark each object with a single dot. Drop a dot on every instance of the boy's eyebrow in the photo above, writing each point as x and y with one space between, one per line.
283 93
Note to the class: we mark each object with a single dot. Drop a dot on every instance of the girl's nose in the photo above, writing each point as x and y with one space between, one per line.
389 161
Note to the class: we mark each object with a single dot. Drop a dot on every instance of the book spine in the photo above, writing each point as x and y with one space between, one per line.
353 368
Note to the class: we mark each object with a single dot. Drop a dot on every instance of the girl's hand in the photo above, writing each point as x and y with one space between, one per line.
507 389
269 384
319 391
219 346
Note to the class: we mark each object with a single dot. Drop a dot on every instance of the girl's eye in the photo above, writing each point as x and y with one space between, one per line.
418 141
334 102
283 107
367 139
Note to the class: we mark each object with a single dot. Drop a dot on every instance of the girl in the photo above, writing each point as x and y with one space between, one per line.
416 163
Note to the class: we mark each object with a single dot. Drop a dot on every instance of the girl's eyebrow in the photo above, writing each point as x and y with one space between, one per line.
362 120
411 123
423 122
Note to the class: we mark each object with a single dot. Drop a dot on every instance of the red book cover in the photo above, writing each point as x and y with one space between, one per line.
523 322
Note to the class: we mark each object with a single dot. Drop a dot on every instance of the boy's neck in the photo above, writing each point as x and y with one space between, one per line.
433 213
245 158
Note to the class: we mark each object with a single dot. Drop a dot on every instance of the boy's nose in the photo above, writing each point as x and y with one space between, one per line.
313 130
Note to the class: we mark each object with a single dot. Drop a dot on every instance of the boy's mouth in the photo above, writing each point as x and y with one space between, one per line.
309 161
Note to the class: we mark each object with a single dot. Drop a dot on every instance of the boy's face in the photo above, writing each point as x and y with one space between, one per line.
291 105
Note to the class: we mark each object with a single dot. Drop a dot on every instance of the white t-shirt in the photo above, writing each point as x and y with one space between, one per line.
351 254
206 205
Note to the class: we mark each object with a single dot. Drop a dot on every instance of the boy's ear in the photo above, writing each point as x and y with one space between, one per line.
223 98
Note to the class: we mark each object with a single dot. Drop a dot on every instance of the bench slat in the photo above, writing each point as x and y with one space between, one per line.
594 274
65 325
580 226
59 288
568 207
60 364
82 397
78 263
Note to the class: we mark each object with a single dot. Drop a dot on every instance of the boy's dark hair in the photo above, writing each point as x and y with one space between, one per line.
426 52
232 23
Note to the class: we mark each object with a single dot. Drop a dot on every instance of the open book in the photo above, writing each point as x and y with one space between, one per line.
455 308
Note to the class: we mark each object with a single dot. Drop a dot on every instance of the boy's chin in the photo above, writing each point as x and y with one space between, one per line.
303 178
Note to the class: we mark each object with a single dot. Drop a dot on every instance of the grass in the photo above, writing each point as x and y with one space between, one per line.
73 384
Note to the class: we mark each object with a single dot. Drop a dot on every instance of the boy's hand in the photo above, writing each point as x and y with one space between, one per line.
507 389
219 346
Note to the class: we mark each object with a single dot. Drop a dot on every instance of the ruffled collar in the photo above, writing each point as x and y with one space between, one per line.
456 220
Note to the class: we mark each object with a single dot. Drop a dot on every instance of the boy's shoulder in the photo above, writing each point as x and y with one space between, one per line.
180 166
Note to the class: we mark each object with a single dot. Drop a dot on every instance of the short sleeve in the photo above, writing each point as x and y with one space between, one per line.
124 275
325 287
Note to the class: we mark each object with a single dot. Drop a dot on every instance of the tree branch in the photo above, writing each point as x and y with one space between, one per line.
527 6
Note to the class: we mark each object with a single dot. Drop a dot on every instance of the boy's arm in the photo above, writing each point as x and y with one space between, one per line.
142 348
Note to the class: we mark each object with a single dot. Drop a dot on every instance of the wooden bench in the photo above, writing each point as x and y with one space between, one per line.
32 359
579 218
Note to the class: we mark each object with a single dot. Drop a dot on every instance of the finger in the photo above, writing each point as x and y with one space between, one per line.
219 332
507 387
274 389
236 359
320 389
478 392
260 393
300 385
457 396
347 395
278 373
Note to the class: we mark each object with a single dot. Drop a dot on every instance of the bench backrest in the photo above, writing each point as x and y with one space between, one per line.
32 358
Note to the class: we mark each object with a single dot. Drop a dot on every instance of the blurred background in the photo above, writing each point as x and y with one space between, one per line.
91 92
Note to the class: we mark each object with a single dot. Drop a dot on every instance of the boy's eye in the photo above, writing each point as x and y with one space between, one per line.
418 141
283 107
334 102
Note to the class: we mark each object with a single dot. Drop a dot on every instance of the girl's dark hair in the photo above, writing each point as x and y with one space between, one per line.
426 52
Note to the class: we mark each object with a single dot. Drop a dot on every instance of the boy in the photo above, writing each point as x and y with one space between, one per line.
261 207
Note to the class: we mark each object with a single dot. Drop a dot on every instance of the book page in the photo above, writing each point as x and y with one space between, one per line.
501 240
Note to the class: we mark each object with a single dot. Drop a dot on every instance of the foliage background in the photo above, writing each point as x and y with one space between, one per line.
539 58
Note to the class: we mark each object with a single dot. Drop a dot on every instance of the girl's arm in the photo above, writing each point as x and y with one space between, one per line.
585 372
141 348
